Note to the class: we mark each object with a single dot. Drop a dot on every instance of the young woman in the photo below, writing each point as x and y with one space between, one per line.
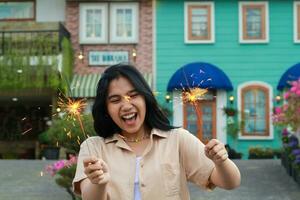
139 155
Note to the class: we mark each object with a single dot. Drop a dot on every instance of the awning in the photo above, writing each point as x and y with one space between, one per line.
292 74
84 86
199 74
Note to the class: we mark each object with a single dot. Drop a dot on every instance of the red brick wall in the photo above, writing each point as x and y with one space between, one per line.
143 59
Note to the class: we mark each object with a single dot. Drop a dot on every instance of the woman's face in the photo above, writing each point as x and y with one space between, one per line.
126 106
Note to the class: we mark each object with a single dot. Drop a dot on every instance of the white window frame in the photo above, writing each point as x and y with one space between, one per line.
271 128
249 3
82 22
296 22
212 22
135 25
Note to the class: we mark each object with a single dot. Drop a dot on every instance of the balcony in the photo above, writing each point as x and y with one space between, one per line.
34 55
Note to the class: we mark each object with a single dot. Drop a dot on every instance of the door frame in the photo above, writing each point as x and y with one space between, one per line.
200 103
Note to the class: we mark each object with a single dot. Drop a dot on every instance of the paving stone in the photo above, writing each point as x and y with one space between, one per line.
261 179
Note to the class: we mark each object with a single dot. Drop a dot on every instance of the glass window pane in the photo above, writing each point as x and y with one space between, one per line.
207 122
89 30
199 22
93 22
16 10
254 21
98 16
255 111
89 16
191 120
124 22
98 30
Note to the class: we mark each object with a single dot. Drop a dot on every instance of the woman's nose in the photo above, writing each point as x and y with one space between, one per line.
126 104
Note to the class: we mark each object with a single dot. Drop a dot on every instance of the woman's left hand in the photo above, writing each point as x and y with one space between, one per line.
216 151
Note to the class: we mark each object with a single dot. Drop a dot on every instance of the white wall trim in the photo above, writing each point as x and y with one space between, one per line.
239 100
114 39
212 21
241 4
82 22
177 109
221 102
295 24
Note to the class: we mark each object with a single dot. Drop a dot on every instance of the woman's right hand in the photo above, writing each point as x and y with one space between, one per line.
96 170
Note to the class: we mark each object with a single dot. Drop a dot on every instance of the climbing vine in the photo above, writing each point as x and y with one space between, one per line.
32 60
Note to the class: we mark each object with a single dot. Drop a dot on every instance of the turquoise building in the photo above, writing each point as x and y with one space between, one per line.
238 51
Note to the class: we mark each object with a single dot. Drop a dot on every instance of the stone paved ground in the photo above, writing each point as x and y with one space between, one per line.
261 180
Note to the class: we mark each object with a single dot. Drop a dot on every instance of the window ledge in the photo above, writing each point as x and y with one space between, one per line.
255 137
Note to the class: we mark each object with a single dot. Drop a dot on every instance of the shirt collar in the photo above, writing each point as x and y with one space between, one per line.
159 133
154 131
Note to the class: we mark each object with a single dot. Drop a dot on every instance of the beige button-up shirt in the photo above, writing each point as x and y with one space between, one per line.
170 160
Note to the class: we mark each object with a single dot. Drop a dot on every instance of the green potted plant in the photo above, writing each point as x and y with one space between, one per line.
229 111
260 153
68 133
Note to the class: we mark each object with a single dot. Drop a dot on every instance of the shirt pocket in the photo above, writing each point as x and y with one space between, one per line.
171 178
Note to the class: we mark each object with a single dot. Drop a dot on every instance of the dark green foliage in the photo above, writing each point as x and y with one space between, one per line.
66 132
65 176
30 60
260 153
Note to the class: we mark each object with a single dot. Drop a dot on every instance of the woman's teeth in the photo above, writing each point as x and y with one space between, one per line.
128 116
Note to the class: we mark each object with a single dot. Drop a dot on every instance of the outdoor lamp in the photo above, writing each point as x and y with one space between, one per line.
80 55
278 98
168 98
231 99
134 54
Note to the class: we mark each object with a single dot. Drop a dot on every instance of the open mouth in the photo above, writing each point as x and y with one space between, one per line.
129 118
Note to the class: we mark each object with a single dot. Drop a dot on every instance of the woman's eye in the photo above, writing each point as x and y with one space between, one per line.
114 100
133 95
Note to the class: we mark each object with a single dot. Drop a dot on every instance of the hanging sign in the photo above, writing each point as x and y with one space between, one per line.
107 57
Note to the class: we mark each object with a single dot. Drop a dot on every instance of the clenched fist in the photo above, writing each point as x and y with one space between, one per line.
216 151
96 170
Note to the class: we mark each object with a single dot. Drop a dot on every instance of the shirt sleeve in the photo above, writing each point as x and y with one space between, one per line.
197 166
85 151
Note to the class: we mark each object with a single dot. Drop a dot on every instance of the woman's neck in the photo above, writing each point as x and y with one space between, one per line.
142 134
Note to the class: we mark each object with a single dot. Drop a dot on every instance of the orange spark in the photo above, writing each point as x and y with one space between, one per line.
73 110
194 94
72 107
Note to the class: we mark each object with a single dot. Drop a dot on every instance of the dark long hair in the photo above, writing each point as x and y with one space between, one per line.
103 124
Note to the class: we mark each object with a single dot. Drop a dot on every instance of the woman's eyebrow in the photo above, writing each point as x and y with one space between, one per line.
132 91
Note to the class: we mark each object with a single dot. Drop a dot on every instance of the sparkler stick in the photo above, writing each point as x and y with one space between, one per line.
73 109
193 94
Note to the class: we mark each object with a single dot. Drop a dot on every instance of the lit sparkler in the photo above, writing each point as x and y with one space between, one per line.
192 95
73 110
